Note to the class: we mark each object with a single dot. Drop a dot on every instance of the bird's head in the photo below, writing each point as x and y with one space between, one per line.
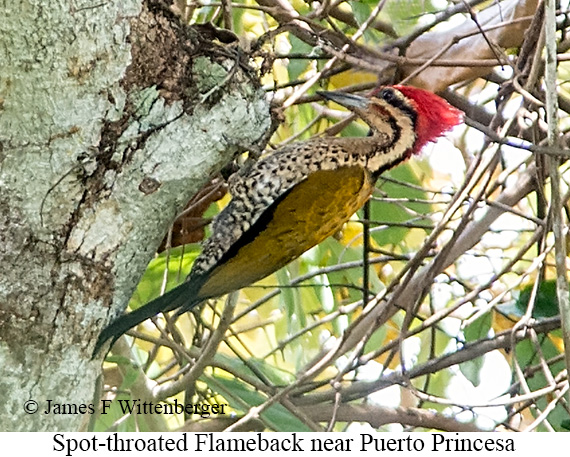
403 109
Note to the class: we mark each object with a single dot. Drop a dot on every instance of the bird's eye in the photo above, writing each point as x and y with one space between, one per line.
388 95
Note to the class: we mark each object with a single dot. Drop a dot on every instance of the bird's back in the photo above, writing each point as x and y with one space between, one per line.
302 217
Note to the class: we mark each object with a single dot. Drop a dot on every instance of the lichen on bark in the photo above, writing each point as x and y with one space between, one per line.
100 147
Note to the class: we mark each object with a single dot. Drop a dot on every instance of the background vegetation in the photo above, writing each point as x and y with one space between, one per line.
436 306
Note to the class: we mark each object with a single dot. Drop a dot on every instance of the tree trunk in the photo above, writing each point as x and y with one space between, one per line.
112 115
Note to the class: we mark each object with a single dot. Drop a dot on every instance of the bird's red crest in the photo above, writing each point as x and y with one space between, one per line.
435 115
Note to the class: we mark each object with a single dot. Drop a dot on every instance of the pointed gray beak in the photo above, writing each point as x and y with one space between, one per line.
349 101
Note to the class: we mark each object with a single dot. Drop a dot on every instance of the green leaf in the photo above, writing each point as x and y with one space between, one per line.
527 356
241 397
290 302
545 305
477 330
376 340
297 67
390 212
362 12
178 262
404 15
471 369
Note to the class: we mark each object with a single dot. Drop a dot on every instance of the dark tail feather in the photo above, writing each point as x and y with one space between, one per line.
182 296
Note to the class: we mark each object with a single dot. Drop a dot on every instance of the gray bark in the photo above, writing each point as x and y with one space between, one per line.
111 118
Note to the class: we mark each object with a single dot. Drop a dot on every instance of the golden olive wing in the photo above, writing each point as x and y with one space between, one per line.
304 216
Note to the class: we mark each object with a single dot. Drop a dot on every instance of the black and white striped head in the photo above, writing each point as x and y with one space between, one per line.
413 116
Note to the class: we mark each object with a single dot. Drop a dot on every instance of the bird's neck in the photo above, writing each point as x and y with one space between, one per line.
378 152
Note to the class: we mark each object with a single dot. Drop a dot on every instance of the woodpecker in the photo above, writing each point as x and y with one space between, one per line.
295 197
